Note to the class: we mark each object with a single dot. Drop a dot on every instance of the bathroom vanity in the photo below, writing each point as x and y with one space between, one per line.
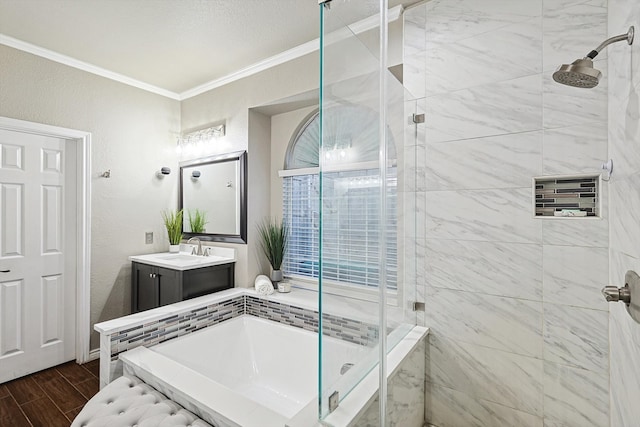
165 278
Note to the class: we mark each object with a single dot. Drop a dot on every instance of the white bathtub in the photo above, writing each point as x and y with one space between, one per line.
243 372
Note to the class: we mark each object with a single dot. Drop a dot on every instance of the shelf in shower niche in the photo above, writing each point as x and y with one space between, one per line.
567 197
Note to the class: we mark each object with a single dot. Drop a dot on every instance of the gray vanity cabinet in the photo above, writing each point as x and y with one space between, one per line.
153 286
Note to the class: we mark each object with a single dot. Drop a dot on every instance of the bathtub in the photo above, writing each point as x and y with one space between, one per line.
245 371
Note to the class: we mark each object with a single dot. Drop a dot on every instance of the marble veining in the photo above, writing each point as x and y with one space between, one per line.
573 30
575 397
452 20
574 276
625 349
568 106
502 269
491 109
503 215
576 337
518 156
509 52
482 373
625 126
446 407
575 149
506 324
625 223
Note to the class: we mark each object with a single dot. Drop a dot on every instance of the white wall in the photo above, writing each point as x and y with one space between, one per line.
624 149
133 135
519 328
283 127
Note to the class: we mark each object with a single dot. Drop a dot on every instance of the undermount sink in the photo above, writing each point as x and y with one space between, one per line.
186 261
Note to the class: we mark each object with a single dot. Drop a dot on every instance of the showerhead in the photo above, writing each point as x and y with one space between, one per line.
580 73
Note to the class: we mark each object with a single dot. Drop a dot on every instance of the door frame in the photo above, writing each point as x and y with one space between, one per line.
82 144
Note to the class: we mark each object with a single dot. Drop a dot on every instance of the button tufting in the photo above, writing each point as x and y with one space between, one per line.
121 413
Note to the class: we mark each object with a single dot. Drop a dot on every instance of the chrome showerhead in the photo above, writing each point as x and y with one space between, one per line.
580 73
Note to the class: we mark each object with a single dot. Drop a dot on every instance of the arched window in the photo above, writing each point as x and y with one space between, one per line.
351 200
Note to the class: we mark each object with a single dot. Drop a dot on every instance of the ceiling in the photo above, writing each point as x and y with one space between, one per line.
173 45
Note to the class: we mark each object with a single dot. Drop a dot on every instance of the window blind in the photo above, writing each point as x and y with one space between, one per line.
351 227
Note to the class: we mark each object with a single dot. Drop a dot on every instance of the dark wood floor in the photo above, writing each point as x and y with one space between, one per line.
49 398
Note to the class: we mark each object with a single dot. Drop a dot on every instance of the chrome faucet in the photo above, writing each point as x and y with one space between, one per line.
199 252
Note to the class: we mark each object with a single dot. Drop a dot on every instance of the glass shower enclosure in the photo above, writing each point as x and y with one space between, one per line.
367 200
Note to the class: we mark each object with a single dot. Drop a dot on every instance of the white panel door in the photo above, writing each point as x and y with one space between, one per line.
37 295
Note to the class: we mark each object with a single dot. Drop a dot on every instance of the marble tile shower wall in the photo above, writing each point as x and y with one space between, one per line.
624 148
519 329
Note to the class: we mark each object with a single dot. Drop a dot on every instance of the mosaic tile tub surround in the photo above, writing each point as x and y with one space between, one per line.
165 323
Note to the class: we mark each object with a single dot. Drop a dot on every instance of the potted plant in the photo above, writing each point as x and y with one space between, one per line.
173 223
273 241
197 220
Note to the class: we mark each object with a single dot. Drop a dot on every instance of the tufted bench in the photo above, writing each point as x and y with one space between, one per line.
129 402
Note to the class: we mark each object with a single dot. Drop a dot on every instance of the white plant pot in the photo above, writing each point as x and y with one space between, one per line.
174 249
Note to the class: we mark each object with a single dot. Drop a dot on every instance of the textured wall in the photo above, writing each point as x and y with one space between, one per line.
624 149
519 329
133 134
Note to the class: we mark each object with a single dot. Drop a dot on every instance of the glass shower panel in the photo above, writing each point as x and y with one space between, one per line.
350 188
356 181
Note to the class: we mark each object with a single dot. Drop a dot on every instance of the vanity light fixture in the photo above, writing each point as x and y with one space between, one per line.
197 139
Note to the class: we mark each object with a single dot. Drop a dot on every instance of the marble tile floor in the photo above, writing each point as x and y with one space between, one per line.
49 398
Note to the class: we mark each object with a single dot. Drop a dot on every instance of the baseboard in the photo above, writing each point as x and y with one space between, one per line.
94 354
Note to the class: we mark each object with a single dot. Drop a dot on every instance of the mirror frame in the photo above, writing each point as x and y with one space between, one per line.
241 157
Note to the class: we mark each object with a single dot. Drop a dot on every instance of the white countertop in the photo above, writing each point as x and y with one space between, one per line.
183 260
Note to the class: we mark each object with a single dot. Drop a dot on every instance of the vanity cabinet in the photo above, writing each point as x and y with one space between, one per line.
153 286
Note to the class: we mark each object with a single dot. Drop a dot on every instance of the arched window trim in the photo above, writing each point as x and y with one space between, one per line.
295 138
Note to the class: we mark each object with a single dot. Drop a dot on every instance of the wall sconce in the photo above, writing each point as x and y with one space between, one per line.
195 141
163 171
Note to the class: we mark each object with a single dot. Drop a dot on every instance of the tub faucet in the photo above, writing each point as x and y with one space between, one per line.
199 252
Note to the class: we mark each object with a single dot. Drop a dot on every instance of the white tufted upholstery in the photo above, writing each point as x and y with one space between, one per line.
129 402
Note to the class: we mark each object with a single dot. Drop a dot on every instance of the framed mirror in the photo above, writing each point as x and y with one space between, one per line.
213 195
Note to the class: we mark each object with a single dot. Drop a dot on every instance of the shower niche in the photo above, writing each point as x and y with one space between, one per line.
567 197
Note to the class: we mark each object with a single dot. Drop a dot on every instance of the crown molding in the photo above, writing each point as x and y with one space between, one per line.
84 66
288 55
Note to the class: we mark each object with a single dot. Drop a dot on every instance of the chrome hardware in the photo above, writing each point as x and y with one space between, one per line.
417 306
345 368
199 246
418 118
334 401
629 294
153 275
614 294
5 271
206 252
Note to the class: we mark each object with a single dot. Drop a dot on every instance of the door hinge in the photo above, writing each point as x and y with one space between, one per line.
417 306
418 118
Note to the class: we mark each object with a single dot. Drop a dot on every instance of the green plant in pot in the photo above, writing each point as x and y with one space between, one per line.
197 220
273 241
173 223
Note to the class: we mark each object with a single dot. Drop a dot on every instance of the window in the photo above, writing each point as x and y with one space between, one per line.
350 214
